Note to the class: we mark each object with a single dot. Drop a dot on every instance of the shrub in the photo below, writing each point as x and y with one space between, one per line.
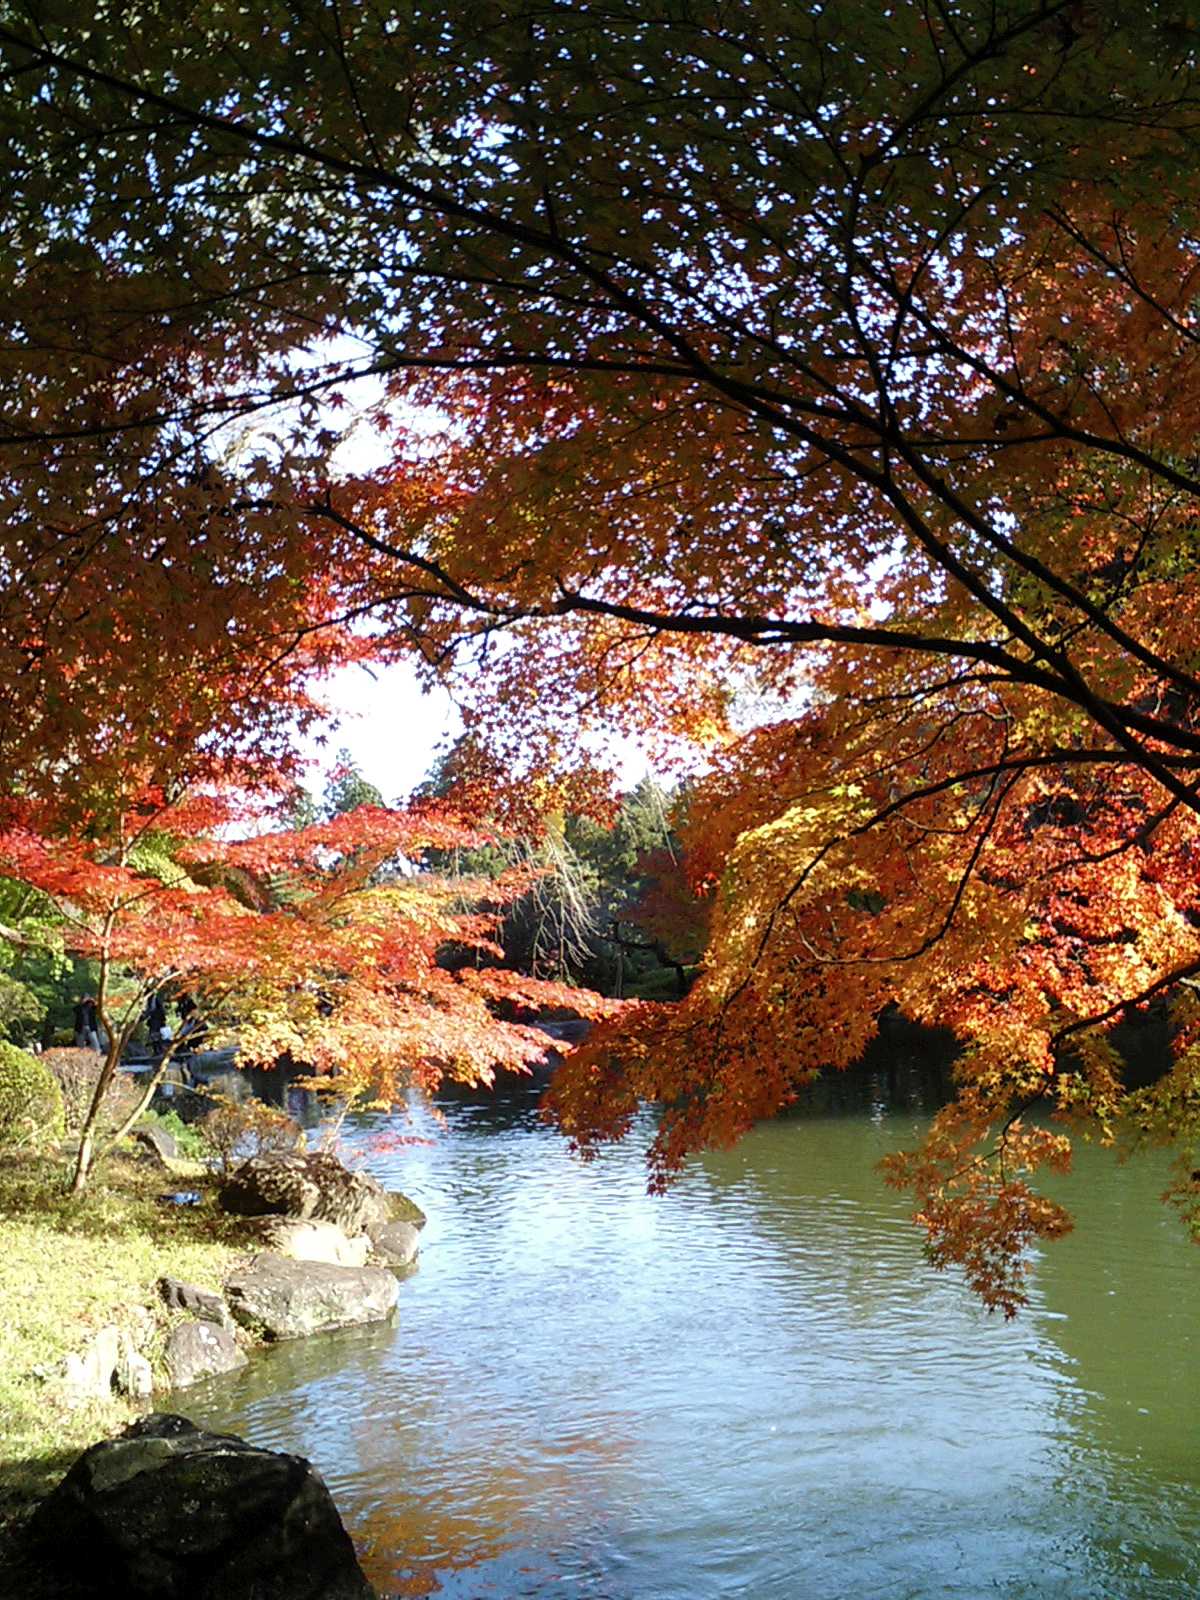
31 1103
236 1131
75 1072
20 1009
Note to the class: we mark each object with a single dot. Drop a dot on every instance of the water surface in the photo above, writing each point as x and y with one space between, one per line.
751 1387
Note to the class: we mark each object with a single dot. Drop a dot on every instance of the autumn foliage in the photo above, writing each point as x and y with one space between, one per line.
318 944
824 415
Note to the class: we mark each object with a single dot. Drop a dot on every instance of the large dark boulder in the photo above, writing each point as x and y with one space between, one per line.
278 1298
169 1511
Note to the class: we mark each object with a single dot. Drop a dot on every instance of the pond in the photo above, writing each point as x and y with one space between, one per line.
753 1386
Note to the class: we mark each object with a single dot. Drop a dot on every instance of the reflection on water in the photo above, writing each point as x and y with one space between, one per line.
751 1387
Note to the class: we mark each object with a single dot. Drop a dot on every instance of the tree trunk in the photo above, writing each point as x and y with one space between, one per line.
87 1139
135 1116
117 1041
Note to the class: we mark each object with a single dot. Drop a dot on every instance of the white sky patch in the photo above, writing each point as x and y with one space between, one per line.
392 728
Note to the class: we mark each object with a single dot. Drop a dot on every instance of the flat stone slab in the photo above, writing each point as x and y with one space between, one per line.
282 1299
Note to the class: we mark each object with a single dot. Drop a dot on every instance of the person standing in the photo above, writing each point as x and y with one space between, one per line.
87 1024
156 1023
191 1023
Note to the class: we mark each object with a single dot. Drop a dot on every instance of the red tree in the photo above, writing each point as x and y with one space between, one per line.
301 941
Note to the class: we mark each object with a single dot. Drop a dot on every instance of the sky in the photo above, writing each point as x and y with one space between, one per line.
391 729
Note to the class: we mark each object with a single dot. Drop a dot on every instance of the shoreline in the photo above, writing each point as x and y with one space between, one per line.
74 1266
71 1266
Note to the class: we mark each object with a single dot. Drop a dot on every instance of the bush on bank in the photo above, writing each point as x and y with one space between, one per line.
31 1102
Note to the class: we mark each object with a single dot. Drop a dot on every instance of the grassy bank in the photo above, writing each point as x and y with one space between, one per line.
68 1267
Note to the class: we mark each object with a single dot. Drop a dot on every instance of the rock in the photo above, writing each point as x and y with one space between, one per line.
401 1209
309 1241
157 1143
198 1350
284 1299
202 1303
397 1243
312 1186
171 1512
111 1361
91 1372
133 1375
188 1104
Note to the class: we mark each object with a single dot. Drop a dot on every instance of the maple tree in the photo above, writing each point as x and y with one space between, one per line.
843 355
299 941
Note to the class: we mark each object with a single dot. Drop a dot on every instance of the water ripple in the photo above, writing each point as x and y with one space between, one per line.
751 1387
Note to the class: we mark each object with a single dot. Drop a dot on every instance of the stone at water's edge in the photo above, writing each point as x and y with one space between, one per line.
398 1243
283 1299
309 1241
169 1512
201 1303
196 1350
401 1209
314 1186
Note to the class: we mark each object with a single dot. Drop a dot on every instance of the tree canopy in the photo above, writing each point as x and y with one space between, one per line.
841 355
